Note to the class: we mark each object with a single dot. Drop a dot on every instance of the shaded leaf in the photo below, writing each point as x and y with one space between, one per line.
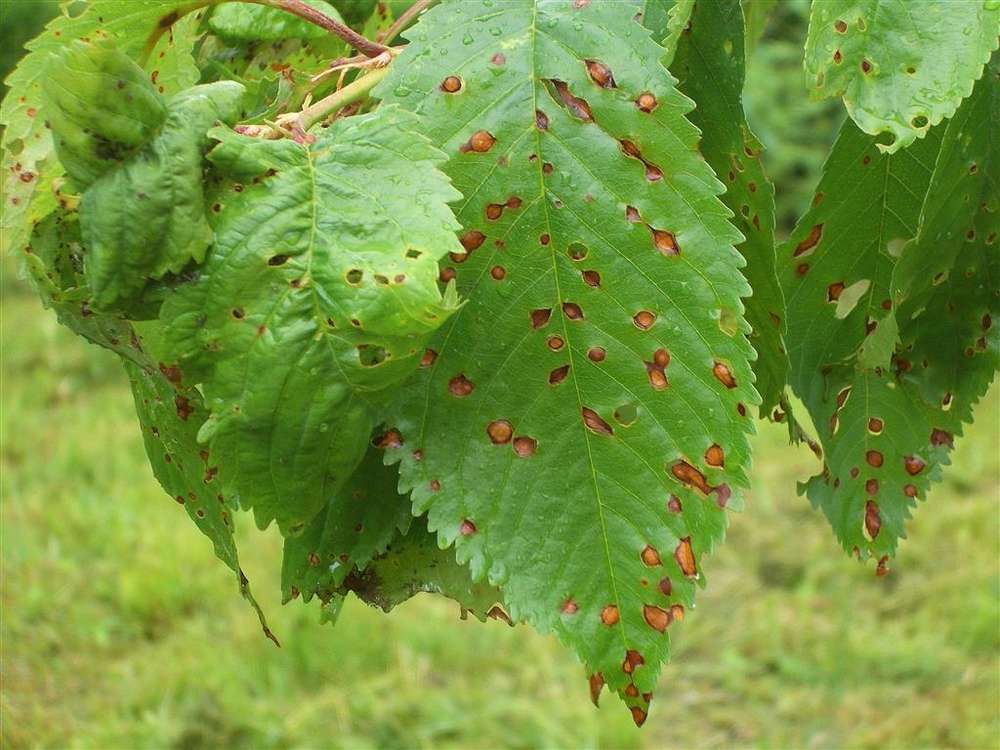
316 300
888 413
709 64
901 66
358 523
585 379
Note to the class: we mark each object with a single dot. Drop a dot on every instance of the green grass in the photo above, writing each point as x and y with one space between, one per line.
120 630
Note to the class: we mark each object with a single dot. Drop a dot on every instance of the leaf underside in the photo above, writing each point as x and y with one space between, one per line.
889 384
901 66
598 374
709 65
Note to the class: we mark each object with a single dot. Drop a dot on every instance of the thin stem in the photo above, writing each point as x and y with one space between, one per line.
405 19
362 44
356 90
296 7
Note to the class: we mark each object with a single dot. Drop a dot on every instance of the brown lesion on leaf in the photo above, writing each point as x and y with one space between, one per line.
834 291
941 437
500 431
684 555
644 320
600 74
558 375
650 556
633 659
576 106
810 242
646 101
595 423
183 406
540 317
656 369
913 465
665 242
596 354
569 607
452 84
610 615
525 447
555 343
591 278
715 456
874 458
656 617
723 374
873 520
674 504
467 528
688 475
460 386
480 142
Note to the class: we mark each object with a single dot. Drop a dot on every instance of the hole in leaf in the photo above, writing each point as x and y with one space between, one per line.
849 298
626 415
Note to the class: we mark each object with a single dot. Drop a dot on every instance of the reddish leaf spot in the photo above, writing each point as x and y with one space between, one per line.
596 685
592 278
646 102
874 458
714 456
500 431
810 242
684 556
871 486
391 439
468 528
940 437
665 586
633 659
689 475
913 465
655 617
644 320
882 569
840 26
460 386
632 215
558 375
723 374
498 59
498 273
525 447
572 311
638 715
609 615
428 359
451 85
674 504
183 407
596 354
540 317
650 556
875 425
555 343
600 74
595 423
910 490
541 120
472 239
480 142
834 291
665 242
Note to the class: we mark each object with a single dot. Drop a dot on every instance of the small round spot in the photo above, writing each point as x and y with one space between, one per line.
555 343
468 528
525 447
572 311
451 85
650 556
592 278
596 354
482 141
714 456
609 615
646 101
500 431
875 425
498 273
460 386
910 490
874 458
840 26
644 320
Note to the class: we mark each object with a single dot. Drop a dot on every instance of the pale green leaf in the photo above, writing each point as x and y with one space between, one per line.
30 170
709 64
147 218
316 300
901 66
248 22
589 363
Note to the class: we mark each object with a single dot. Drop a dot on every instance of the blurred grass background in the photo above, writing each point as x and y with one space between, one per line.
120 630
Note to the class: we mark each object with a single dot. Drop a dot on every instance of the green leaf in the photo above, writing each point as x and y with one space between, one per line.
360 520
836 266
315 301
709 64
966 178
888 388
30 170
247 22
169 414
901 66
756 15
101 106
147 218
549 420
414 564
678 18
